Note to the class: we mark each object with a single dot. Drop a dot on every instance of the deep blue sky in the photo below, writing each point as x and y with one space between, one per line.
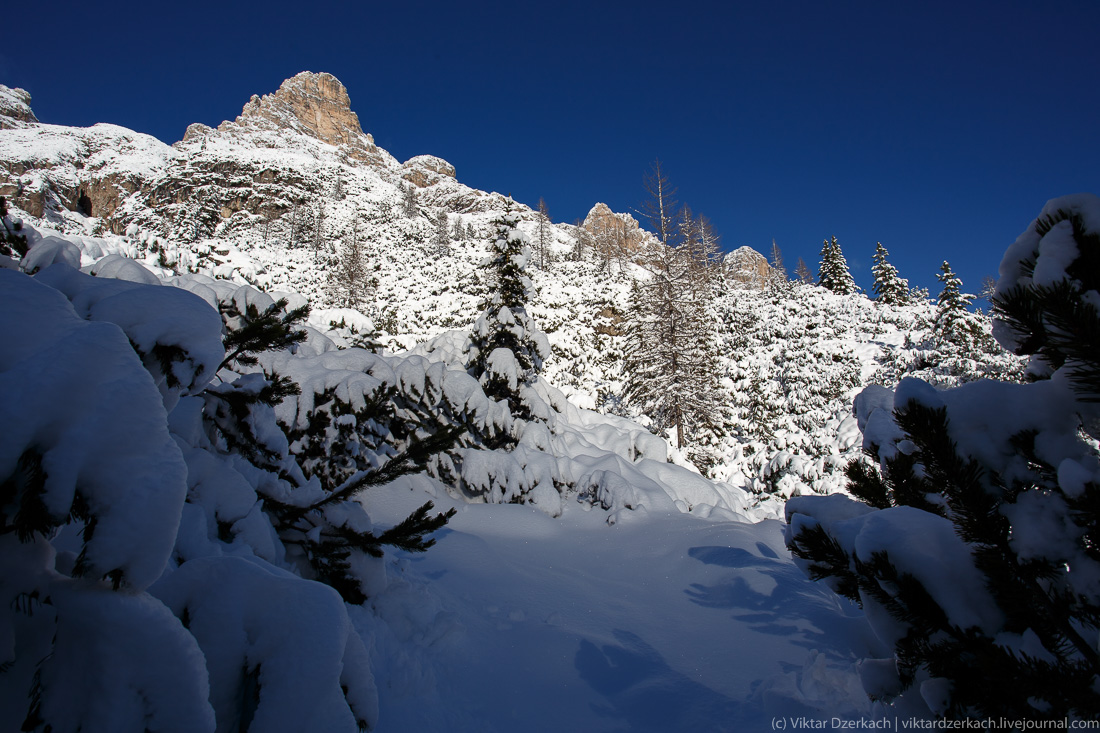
936 129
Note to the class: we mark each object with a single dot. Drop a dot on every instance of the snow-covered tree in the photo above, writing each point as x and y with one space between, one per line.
408 201
834 274
954 323
12 242
348 285
974 550
889 288
152 445
543 235
507 350
671 345
441 238
778 277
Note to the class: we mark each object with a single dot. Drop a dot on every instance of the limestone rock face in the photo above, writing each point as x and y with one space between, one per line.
613 234
747 268
15 109
426 170
311 104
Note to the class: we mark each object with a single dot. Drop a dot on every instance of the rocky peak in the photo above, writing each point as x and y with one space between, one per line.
312 104
612 230
15 108
747 268
426 170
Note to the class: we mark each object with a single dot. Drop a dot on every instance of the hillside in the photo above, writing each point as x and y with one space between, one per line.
587 557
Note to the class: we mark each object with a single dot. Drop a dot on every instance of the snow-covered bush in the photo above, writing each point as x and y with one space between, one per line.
973 550
161 539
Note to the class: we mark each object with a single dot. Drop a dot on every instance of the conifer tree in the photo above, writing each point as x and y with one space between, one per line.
834 274
441 239
347 284
778 278
672 334
890 289
507 349
12 243
1015 508
582 241
408 201
803 272
543 241
954 324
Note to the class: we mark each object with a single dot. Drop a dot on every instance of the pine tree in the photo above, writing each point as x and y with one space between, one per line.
543 237
458 232
507 349
890 289
778 277
347 284
954 324
1017 510
318 238
12 243
660 206
803 272
672 334
441 239
408 201
582 241
834 274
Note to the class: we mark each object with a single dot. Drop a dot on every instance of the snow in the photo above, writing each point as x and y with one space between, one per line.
296 636
668 623
624 588
85 404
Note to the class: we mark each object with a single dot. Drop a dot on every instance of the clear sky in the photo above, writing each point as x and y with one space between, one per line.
937 128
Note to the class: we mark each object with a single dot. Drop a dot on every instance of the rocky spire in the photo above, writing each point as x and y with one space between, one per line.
310 104
15 108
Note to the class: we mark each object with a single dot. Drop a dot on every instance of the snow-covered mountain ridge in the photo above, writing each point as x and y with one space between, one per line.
253 509
272 197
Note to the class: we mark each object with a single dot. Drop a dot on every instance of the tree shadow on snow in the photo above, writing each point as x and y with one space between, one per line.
645 693
803 612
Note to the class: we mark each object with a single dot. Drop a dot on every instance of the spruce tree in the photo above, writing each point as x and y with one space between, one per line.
507 349
834 274
954 324
1015 506
890 289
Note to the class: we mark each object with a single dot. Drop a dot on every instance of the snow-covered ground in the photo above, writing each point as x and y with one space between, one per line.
664 622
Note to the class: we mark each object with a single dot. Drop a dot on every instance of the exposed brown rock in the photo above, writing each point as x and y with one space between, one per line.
426 170
15 108
745 267
613 234
312 104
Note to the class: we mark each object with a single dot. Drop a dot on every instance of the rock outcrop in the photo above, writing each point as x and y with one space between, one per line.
613 234
426 170
310 104
747 268
15 108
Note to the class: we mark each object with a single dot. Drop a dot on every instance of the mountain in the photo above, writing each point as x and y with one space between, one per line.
189 459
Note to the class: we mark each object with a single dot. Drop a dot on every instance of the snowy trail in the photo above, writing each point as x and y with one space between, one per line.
663 623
